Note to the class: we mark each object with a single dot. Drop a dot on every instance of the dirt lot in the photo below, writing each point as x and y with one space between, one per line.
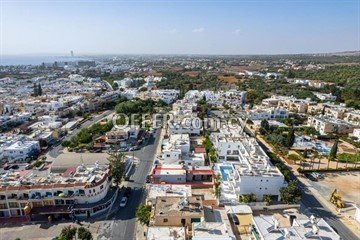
347 183
192 73
229 79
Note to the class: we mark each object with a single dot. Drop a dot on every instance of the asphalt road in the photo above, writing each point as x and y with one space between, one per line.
122 222
55 150
312 206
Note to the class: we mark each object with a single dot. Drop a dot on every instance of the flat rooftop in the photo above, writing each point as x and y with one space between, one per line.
210 230
171 233
178 206
73 176
169 190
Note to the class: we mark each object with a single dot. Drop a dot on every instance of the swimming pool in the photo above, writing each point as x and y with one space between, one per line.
225 172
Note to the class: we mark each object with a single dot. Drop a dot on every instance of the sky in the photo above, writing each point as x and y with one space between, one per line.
178 26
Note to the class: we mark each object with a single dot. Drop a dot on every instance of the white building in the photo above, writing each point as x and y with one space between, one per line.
325 96
325 125
245 168
267 113
292 227
87 189
20 150
177 150
353 117
212 231
173 233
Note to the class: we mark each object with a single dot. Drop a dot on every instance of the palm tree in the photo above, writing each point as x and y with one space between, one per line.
117 166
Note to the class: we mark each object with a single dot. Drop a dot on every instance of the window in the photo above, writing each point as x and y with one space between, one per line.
13 204
37 204
101 187
3 206
165 220
48 203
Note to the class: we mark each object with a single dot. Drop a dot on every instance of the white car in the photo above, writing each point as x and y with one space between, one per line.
123 202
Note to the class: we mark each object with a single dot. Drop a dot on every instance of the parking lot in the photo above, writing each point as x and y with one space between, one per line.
347 183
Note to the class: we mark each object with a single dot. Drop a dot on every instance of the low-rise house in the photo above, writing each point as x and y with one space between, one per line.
325 96
202 176
116 136
177 211
167 190
325 125
353 117
177 150
173 233
261 113
20 150
244 167
293 227
356 134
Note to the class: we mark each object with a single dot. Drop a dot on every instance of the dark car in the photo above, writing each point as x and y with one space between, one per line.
148 179
14 166
234 219
135 148
311 177
127 192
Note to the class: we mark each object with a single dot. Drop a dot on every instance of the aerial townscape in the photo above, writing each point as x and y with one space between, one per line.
188 145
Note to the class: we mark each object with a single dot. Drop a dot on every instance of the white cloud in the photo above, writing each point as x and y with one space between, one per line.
198 30
236 31
174 30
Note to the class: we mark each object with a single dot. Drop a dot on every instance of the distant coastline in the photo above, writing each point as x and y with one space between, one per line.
13 60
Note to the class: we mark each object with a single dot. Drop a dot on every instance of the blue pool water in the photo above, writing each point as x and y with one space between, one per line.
225 172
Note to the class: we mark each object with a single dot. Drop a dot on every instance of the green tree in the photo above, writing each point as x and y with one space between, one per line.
218 181
36 90
290 74
247 198
117 166
67 233
290 194
290 138
264 127
39 90
267 199
143 214
84 234
334 150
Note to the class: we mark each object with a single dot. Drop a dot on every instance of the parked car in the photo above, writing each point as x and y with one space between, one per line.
123 201
28 166
127 192
134 148
318 175
148 178
123 149
15 166
234 219
6 166
311 177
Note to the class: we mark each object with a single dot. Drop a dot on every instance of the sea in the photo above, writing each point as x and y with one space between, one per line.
13 60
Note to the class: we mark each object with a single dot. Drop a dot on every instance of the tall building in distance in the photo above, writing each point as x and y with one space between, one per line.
72 53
